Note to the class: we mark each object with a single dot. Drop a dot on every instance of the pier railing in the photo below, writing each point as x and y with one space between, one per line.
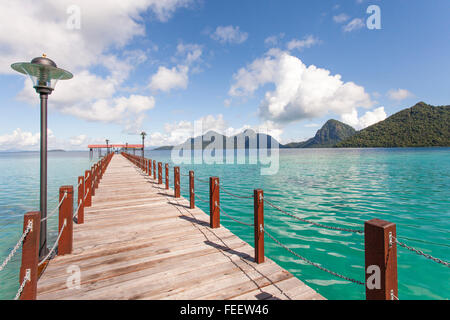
32 266
380 237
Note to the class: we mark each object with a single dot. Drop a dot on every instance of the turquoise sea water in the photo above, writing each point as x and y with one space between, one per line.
338 187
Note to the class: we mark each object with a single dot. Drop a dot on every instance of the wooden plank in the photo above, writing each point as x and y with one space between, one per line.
139 242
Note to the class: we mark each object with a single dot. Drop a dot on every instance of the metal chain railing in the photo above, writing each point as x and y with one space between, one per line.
309 261
201 180
17 246
312 222
22 285
199 198
75 214
57 207
222 188
244 223
421 253
54 245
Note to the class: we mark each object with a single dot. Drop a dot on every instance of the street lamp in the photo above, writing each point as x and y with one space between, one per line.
45 74
143 134
107 148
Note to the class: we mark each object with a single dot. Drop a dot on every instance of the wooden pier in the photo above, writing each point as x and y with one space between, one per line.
140 242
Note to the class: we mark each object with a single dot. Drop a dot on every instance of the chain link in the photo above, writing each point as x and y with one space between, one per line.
421 253
204 181
17 246
54 245
22 285
309 261
234 195
199 198
312 222
221 210
54 210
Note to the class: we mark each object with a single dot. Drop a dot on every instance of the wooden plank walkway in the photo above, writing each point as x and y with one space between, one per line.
139 242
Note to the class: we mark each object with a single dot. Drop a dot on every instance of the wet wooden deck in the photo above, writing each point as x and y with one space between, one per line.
139 242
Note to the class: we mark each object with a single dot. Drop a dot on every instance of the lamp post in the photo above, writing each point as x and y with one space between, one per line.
107 148
143 134
45 74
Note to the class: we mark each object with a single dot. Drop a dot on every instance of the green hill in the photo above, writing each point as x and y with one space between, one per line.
422 125
328 136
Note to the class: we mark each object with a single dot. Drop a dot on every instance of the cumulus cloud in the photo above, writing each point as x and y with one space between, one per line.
300 92
399 94
229 34
167 79
106 27
306 42
25 140
177 77
341 18
274 40
353 25
368 119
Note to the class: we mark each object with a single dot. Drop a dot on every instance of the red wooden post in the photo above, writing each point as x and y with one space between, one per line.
30 255
66 221
380 260
214 202
258 201
167 176
176 181
93 181
87 188
149 164
145 164
159 173
154 169
191 190
80 217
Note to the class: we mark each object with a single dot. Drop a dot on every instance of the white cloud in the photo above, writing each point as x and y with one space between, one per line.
355 24
106 28
229 34
300 91
312 125
306 42
167 79
274 40
24 140
341 18
399 94
368 119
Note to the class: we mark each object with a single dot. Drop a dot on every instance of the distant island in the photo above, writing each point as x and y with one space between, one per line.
422 125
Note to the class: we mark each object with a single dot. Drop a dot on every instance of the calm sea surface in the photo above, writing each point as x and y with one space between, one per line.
410 187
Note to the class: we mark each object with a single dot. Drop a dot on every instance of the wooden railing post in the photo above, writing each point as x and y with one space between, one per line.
149 164
92 174
66 221
30 256
191 190
176 181
258 200
214 202
145 164
154 169
159 173
80 217
87 188
380 260
167 176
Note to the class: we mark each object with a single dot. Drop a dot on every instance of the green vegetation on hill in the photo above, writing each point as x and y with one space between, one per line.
328 136
422 125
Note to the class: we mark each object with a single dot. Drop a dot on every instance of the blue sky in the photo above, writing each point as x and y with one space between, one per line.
160 65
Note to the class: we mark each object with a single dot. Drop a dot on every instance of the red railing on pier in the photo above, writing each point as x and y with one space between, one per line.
380 237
